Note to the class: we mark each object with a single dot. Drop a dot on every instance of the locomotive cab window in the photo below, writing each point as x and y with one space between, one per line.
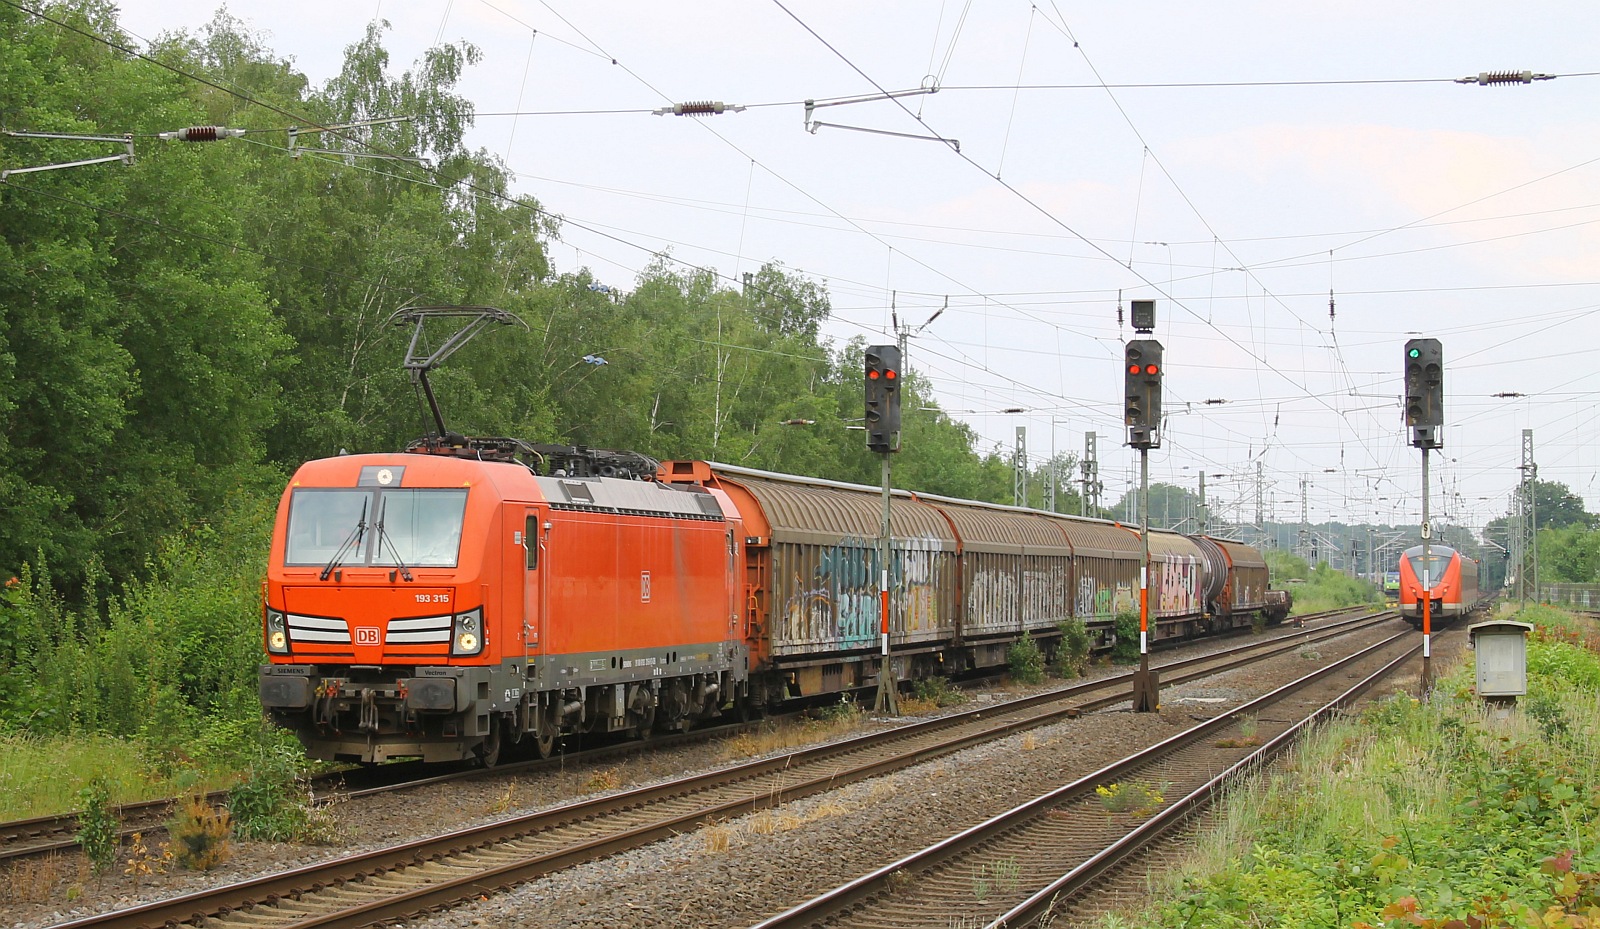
419 528
324 521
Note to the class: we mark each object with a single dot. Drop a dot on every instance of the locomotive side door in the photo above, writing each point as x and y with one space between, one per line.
533 586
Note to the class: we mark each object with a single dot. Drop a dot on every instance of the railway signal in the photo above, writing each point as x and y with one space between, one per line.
1424 375
1142 373
1141 378
883 397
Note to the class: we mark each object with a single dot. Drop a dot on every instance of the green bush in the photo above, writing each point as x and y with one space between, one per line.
1026 660
273 802
1126 648
938 691
844 711
99 826
1072 650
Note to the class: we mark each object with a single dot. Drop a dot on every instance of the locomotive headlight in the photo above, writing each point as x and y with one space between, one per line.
467 637
277 632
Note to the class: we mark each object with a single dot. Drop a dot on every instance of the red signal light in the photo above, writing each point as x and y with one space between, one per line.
872 375
1151 369
1133 369
889 374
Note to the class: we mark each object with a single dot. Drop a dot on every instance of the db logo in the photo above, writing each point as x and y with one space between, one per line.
366 635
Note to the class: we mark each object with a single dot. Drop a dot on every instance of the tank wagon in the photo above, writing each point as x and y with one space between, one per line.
459 597
1452 584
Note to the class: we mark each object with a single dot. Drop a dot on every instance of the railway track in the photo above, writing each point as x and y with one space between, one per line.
51 835
1031 861
400 881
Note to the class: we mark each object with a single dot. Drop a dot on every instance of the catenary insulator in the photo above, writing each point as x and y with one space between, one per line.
202 134
1484 78
699 108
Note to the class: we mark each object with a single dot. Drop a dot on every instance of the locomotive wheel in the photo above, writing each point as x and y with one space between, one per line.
544 741
749 709
646 725
489 750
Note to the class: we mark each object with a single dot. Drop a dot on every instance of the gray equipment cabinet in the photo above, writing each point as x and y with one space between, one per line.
1502 647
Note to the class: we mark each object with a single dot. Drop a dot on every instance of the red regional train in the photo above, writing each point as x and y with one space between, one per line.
465 595
1453 580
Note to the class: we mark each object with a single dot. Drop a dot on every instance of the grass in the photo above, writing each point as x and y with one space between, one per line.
842 719
43 776
1419 813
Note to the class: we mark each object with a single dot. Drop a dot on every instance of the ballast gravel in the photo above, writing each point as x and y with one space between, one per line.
733 873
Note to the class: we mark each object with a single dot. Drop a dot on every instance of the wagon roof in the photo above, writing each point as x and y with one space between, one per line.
822 512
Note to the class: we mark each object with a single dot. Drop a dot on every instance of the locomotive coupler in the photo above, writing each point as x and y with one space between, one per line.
369 710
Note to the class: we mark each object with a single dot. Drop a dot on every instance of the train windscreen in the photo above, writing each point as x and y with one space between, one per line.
414 528
1435 565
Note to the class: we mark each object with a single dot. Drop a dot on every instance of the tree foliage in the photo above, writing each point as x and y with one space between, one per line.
178 334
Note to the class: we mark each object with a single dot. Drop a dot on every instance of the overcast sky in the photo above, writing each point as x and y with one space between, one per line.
1234 161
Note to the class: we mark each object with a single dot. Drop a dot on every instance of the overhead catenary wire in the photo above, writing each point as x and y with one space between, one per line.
1007 298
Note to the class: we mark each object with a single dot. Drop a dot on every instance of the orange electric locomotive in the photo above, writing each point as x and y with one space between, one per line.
441 602
1451 581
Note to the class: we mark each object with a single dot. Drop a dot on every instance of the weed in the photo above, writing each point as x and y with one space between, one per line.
1026 660
882 789
937 690
608 779
846 710
141 863
743 745
1546 711
916 706
1002 875
30 880
1309 653
99 826
1029 741
1007 874
200 834
505 801
273 802
764 822
1137 798
1248 726
826 809
718 837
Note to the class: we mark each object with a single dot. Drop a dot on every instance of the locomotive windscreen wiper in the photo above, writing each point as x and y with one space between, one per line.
383 540
350 541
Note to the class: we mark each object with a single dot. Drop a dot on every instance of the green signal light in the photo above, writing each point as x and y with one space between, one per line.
1414 353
